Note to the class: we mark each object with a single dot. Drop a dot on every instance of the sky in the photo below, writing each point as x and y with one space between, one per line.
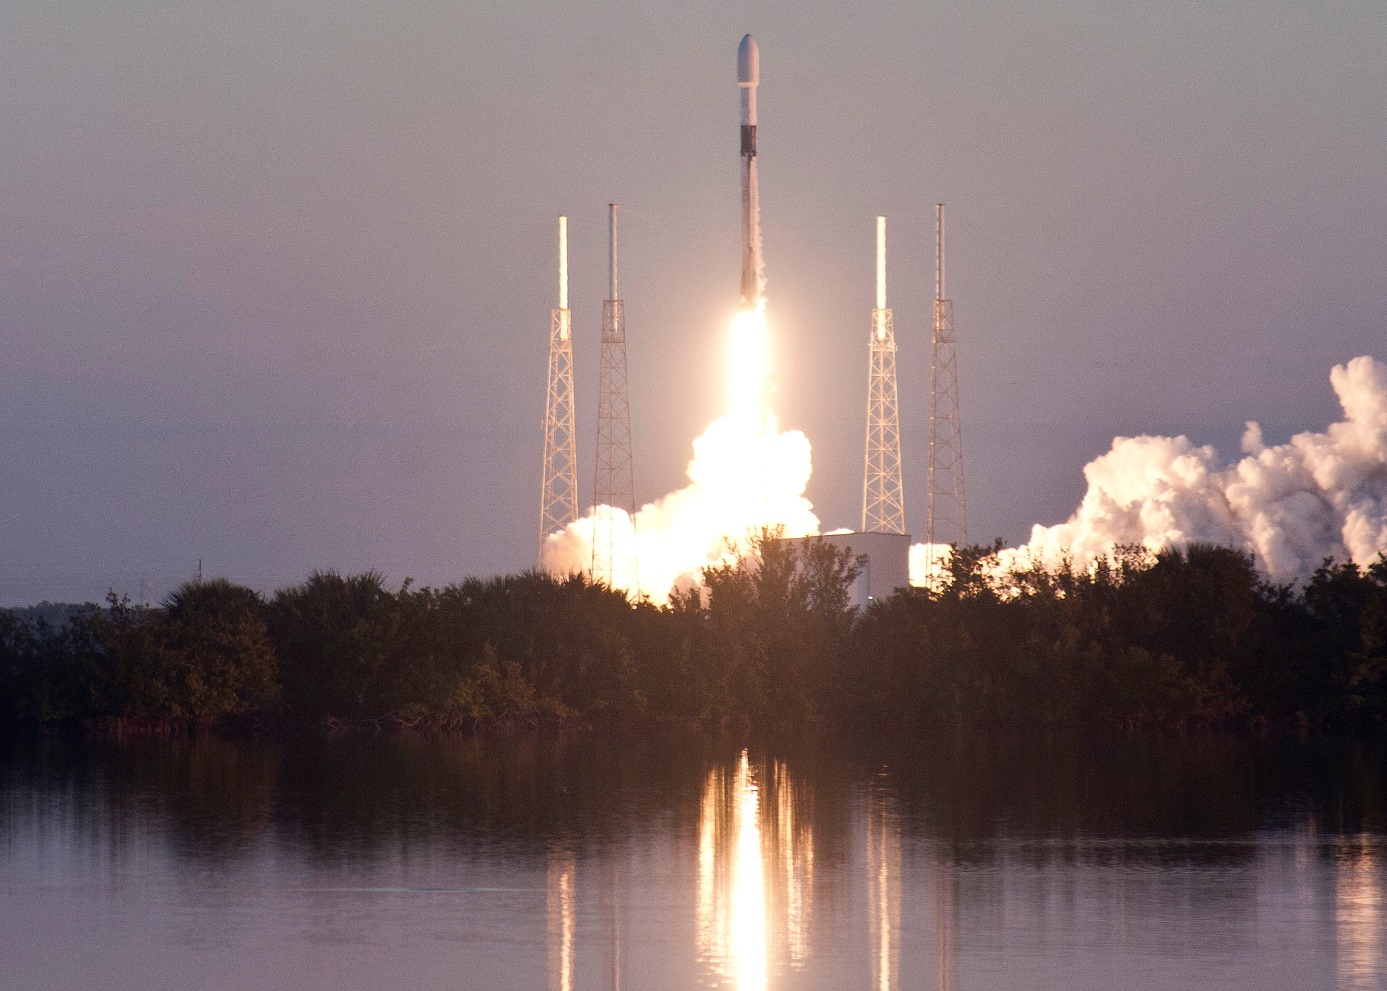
275 279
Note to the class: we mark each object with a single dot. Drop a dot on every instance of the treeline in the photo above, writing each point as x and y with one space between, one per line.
1184 638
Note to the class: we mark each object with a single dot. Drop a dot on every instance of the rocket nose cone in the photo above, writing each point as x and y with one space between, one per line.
748 62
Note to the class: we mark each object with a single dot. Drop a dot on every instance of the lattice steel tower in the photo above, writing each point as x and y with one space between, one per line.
883 502
946 512
615 488
558 500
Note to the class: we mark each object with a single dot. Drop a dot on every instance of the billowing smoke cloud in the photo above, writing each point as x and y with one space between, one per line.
1321 494
1292 505
745 475
742 477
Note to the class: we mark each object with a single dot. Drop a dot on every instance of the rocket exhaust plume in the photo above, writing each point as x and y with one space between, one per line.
745 474
1321 494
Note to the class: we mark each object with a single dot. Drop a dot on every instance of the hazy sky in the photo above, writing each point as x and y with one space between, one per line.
275 278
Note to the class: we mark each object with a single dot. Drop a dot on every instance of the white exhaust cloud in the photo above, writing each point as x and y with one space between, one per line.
1321 494
740 479
745 474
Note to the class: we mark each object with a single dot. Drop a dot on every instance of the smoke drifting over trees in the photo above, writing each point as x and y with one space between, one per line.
1322 494
1291 506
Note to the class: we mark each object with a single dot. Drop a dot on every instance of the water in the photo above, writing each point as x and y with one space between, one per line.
576 864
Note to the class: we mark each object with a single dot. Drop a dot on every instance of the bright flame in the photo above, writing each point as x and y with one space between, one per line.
745 475
747 367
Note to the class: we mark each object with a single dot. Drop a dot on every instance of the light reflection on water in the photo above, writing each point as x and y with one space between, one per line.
746 916
755 874
884 887
943 902
1359 916
562 919
527 865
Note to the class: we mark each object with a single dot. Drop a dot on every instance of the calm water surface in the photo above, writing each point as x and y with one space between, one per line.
586 863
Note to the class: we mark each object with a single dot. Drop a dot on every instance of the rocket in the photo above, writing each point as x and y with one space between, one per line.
748 76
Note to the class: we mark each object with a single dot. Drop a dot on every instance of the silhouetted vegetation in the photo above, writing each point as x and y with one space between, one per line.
1186 638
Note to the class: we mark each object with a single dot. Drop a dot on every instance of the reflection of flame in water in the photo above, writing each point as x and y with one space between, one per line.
884 888
796 867
755 874
748 887
1358 900
944 911
562 868
616 936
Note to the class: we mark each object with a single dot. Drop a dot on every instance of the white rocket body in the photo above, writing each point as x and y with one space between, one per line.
753 271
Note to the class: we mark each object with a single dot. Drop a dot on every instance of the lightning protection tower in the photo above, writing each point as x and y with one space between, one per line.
558 501
615 488
946 512
883 502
